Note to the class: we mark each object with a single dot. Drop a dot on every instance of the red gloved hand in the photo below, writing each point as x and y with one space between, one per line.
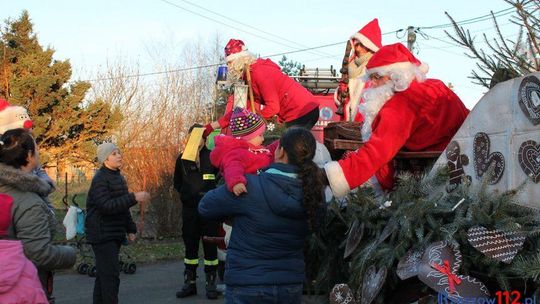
224 121
207 130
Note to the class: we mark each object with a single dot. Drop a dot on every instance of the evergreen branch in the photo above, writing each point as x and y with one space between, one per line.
527 267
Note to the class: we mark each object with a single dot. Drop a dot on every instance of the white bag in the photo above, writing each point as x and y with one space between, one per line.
70 222
228 231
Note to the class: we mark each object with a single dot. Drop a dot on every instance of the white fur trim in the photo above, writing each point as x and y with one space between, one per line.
322 155
336 179
234 56
398 66
365 41
424 68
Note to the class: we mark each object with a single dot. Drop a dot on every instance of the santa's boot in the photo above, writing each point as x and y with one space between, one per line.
211 285
190 286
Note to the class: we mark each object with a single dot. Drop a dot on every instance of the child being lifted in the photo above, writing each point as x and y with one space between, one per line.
243 152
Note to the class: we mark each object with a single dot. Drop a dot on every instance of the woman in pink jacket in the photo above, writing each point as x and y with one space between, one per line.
275 93
19 281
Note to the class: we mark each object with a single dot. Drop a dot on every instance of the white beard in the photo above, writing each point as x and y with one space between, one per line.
374 100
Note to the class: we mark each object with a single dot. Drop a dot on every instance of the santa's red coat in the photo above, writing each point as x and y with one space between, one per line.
236 157
424 117
278 93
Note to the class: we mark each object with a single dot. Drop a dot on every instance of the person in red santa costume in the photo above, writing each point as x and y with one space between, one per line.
402 110
364 44
278 94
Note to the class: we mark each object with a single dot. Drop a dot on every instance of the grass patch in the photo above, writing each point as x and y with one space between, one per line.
78 189
152 252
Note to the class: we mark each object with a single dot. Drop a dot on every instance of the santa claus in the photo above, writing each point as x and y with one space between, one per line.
277 93
364 44
402 110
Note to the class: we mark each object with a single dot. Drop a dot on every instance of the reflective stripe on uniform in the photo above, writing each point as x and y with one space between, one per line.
211 263
191 261
209 177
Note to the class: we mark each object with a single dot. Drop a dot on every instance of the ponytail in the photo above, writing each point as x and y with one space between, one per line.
300 146
312 187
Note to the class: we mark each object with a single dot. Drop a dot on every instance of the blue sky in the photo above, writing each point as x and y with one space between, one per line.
90 33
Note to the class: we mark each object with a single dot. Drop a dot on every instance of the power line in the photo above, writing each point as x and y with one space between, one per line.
245 24
217 64
442 49
475 31
440 26
441 40
471 20
208 65
228 25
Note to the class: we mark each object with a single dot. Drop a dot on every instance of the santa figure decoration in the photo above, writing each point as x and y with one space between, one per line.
13 117
402 110
362 44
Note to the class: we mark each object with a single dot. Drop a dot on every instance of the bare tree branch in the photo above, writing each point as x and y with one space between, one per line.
502 55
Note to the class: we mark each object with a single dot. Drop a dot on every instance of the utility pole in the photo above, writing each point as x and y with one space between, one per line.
411 38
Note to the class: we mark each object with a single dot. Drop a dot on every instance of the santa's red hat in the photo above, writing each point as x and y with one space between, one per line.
370 35
235 49
395 58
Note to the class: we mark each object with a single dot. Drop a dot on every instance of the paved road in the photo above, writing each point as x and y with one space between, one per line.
151 284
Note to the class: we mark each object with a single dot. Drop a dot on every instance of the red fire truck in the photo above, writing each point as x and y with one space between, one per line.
322 83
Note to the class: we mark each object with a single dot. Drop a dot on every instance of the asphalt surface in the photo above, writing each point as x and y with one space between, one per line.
155 283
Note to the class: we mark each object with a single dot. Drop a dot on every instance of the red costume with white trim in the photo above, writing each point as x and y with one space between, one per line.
278 93
418 115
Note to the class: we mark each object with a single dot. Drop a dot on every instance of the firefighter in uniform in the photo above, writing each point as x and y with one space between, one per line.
192 180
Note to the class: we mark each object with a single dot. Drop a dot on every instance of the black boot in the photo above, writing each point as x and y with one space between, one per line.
211 286
190 286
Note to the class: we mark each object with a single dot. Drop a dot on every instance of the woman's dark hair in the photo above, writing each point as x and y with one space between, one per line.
300 146
14 147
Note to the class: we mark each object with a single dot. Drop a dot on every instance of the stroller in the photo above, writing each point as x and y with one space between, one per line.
74 223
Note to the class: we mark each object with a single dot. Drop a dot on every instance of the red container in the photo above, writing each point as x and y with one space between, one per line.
327 114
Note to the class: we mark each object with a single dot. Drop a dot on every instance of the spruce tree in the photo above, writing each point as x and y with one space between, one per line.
65 124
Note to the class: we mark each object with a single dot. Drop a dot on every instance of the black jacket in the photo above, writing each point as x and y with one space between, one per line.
107 206
193 182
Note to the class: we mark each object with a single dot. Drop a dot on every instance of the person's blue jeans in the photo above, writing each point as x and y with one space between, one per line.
264 294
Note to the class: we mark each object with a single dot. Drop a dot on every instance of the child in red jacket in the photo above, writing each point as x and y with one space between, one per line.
243 152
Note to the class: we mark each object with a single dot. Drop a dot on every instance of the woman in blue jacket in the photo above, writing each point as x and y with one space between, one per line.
265 260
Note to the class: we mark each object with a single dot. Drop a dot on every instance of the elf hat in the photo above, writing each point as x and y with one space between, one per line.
370 35
235 49
245 124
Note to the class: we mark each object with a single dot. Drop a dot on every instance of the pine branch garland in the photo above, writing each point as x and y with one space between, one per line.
422 213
